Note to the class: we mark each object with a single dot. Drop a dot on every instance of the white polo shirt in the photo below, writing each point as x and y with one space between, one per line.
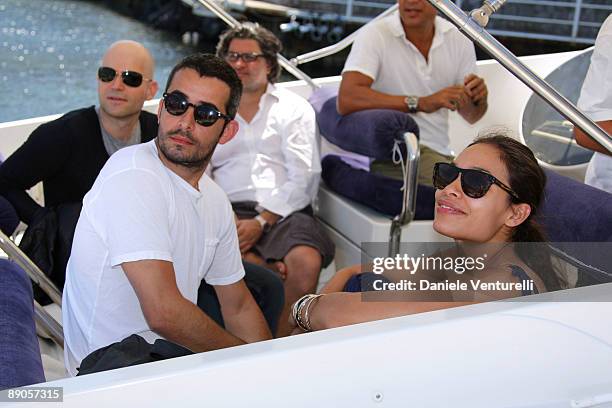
139 209
596 102
382 52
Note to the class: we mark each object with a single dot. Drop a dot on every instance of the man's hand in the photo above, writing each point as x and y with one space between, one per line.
476 89
249 232
453 98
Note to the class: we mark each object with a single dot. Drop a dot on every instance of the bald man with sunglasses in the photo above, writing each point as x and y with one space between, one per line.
67 154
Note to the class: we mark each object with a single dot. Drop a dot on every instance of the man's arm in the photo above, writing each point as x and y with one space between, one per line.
250 230
356 94
241 315
39 157
168 313
585 141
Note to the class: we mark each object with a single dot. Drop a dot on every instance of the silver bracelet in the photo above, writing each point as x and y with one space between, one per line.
311 302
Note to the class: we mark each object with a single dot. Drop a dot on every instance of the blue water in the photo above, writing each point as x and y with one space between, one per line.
50 52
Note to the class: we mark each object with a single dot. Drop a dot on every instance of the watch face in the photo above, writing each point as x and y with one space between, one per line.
413 103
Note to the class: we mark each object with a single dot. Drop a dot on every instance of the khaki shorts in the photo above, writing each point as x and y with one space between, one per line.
427 159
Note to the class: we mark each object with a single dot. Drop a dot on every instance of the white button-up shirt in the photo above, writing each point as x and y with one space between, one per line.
273 160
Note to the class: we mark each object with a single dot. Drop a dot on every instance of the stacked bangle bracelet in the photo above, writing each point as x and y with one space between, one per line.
301 311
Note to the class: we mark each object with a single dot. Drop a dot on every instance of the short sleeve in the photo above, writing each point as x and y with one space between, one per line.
365 56
226 267
596 94
137 227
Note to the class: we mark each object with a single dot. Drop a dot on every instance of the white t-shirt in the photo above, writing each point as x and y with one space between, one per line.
596 101
273 160
382 52
139 209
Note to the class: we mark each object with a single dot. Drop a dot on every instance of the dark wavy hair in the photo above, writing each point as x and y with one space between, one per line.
528 180
270 45
209 65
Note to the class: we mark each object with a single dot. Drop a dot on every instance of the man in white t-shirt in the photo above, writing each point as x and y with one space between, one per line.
596 101
154 225
415 62
270 171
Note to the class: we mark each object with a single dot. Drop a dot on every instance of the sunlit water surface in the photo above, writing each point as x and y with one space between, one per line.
50 52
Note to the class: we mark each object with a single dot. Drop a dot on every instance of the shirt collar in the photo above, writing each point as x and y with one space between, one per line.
272 90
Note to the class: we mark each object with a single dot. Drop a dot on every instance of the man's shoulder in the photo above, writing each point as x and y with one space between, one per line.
288 98
383 27
136 157
449 31
81 116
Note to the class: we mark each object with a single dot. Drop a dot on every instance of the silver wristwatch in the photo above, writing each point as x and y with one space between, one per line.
265 227
412 102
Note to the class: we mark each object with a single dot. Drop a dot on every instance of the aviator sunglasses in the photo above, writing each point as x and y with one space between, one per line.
205 114
130 78
474 183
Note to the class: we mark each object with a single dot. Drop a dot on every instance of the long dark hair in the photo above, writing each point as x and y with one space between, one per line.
528 180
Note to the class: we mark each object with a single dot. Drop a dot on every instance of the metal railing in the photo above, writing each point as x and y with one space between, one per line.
411 164
220 12
42 318
472 29
574 21
339 46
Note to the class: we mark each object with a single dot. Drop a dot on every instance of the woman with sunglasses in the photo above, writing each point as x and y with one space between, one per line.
487 198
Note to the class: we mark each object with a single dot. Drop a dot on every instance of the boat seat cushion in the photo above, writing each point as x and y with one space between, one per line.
371 132
577 219
20 362
376 191
575 212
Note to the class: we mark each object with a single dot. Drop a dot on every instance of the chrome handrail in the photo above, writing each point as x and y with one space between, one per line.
232 22
409 194
340 45
33 271
49 324
470 28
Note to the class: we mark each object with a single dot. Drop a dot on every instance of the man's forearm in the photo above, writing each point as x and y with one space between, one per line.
585 141
186 324
355 99
247 323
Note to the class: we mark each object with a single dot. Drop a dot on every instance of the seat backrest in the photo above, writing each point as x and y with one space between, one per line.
577 219
575 212
20 361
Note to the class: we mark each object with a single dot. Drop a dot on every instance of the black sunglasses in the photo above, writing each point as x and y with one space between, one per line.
130 78
205 114
245 57
474 183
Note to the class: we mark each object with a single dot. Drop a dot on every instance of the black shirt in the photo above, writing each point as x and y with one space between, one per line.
66 155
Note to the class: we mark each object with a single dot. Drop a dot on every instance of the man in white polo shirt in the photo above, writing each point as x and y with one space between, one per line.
154 225
415 62
596 101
